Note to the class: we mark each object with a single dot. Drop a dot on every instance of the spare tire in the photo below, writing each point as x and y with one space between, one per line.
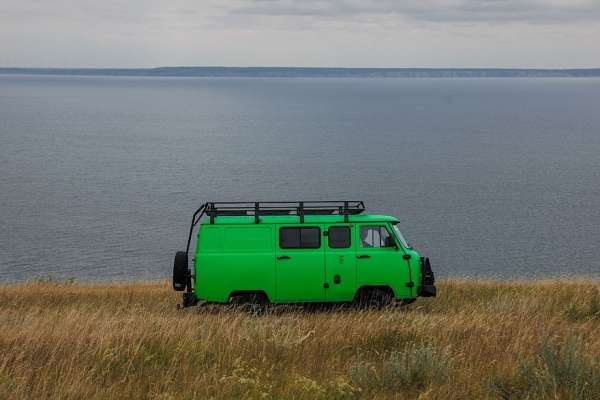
180 271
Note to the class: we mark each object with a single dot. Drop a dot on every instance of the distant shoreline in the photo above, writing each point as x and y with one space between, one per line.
312 72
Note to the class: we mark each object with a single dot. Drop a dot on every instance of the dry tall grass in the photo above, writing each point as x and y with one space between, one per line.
477 340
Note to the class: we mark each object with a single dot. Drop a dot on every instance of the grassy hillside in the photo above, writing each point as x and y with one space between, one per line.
477 340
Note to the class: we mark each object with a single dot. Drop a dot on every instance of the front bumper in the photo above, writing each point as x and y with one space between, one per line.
427 288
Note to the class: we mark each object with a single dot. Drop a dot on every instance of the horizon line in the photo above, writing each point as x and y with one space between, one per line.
303 67
308 72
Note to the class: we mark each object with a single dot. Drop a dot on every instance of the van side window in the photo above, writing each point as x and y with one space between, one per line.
299 238
339 237
373 236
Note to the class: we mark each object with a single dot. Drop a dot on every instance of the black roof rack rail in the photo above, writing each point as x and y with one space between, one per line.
257 208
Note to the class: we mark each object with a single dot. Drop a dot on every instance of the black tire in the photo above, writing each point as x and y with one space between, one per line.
180 271
381 299
252 303
374 299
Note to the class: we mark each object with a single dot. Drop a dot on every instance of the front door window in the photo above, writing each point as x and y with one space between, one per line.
373 236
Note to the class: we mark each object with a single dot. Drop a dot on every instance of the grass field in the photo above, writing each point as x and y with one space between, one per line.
476 340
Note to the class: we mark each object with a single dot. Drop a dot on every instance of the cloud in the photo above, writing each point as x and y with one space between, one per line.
432 10
70 33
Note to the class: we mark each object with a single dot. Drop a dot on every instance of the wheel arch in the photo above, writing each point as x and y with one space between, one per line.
366 289
248 293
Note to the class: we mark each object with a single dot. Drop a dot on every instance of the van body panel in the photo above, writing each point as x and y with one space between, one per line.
300 272
414 265
231 258
236 254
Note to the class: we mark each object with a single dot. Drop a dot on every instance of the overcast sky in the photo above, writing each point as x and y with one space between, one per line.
339 33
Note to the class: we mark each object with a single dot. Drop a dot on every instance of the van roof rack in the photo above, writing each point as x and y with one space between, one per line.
257 208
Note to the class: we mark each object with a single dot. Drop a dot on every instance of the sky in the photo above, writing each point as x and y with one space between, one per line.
329 33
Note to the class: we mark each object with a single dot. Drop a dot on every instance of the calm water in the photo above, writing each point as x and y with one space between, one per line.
490 177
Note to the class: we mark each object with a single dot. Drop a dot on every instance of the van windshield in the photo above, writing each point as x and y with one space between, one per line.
400 236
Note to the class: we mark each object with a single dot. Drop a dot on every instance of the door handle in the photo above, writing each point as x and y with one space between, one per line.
363 256
283 257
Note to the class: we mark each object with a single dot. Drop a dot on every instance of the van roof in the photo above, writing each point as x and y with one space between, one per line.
294 219
283 212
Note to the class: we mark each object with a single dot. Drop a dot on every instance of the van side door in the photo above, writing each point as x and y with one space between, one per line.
299 264
340 263
378 263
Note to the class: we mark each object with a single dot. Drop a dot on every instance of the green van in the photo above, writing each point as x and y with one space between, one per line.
299 252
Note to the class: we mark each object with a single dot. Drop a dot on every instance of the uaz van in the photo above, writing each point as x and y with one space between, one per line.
298 252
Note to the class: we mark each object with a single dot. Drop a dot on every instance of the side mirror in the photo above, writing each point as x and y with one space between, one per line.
390 242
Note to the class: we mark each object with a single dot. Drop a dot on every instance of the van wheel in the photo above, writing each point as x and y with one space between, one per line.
252 303
373 299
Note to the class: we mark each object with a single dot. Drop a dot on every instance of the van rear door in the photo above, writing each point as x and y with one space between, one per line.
300 264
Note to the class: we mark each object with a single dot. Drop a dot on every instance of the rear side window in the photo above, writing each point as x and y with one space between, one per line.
299 238
339 237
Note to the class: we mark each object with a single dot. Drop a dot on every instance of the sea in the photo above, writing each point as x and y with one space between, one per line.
491 178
